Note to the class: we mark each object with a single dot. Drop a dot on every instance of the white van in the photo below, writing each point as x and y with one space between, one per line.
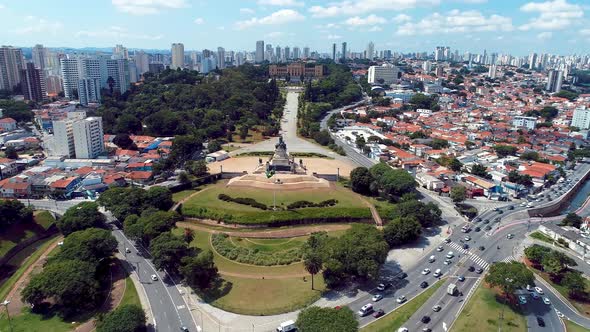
287 326
437 273
365 310
431 259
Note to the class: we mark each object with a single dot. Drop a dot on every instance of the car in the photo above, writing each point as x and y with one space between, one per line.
479 270
447 240
401 299
530 288
426 329
486 221
440 248
471 269
423 284
511 207
496 209
447 262
461 278
546 301
431 259
482 248
465 246
426 271
535 295
436 308
381 287
500 212
497 219
559 314
154 277
377 297
477 229
539 290
522 299
184 329
467 238
477 219
127 250
402 329
487 228
530 205
366 310
402 275
450 255
523 204
509 236
379 313
425 319
540 321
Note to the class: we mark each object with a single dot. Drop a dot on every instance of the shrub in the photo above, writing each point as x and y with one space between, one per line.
224 246
304 204
243 200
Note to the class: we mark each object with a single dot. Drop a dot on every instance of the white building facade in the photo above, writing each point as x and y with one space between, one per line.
88 138
385 74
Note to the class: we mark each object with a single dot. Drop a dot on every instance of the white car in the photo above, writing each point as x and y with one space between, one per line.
440 248
154 277
546 301
377 297
523 204
402 329
425 271
467 238
401 299
436 308
381 287
559 314
539 290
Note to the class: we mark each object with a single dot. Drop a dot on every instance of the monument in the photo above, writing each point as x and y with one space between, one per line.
281 162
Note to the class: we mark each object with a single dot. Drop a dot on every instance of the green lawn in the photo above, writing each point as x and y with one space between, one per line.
269 245
384 208
482 314
179 196
17 233
395 319
573 327
30 322
207 205
542 237
130 296
44 218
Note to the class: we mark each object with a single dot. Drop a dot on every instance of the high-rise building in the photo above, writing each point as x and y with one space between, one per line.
220 58
120 52
11 63
306 52
141 62
33 83
88 138
54 85
343 52
259 58
89 91
370 51
427 66
581 118
384 74
334 52
533 61
39 54
492 71
70 77
278 53
177 56
554 80
111 73
439 53
296 53
63 136
118 69
287 53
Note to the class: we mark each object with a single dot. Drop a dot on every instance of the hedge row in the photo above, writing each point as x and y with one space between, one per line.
304 204
243 200
224 246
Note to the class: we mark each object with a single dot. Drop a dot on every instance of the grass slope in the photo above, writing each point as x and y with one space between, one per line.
17 233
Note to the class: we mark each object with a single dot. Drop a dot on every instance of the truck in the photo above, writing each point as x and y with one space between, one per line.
287 326
452 289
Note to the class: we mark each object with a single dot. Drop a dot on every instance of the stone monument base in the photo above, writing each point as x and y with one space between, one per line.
287 182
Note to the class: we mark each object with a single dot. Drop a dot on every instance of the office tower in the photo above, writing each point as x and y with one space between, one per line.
133 76
384 74
278 53
39 54
581 118
33 83
118 69
70 77
554 80
334 52
159 58
11 63
54 85
89 91
240 58
287 53
63 136
177 56
206 53
344 52
259 51
440 71
532 60
88 137
141 62
306 52
427 66
120 52
296 53
439 53
370 51
220 58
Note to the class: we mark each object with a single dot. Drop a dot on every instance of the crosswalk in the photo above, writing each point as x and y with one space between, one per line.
472 256
508 259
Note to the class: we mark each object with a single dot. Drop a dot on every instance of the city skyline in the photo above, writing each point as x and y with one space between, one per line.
518 27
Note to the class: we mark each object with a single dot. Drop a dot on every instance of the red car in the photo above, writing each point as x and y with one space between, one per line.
379 313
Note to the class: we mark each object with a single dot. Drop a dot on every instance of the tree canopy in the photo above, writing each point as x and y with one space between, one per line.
360 180
509 276
82 216
402 230
458 194
427 215
126 318
123 202
505 150
572 219
90 245
13 212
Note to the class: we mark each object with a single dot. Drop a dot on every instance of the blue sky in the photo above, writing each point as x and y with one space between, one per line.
518 27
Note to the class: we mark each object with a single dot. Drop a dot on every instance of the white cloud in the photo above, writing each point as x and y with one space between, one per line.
456 21
401 18
369 20
332 37
357 7
279 17
247 11
284 3
274 34
2 6
553 15
39 25
545 35
375 29
199 20
585 32
328 26
147 7
115 32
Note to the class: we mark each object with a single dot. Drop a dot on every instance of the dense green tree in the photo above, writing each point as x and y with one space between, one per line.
525 180
126 318
184 147
13 212
455 165
481 171
159 198
123 202
438 144
535 253
11 153
567 94
458 194
82 216
420 100
167 251
199 271
213 146
18 110
188 235
316 319
575 283
90 245
360 142
509 276
197 168
428 214
360 180
555 263
183 177
128 124
505 150
124 142
572 219
393 183
149 225
400 231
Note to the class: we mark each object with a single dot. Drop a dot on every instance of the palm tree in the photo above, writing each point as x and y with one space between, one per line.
313 264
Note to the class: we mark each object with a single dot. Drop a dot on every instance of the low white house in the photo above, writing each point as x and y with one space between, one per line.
429 182
217 156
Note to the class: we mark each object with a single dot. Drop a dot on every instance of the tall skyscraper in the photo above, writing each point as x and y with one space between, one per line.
120 52
259 58
63 136
278 53
33 83
11 63
39 54
89 91
439 53
141 62
343 52
532 60
118 69
220 58
296 53
492 71
554 80
370 51
70 76
306 52
581 118
287 53
88 137
334 52
177 56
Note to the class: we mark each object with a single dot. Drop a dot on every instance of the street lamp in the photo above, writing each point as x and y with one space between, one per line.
5 304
